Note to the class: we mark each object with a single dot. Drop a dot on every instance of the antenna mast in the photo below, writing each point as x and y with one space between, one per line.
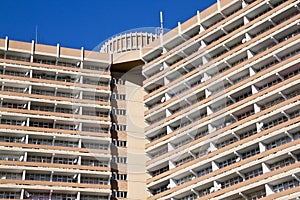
161 29
36 34
161 23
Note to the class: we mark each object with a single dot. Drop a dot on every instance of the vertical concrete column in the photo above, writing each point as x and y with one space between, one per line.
269 189
136 156
22 194
78 196
265 168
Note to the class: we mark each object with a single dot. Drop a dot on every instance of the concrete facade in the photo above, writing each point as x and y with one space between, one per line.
209 110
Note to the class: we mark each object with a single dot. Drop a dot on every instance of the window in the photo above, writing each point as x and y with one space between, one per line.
226 142
279 142
119 112
67 95
231 181
65 143
183 142
118 81
66 79
40 141
64 110
94 129
13 57
189 197
9 195
204 171
38 177
42 92
10 157
148 39
257 195
94 180
14 105
160 135
96 98
285 185
63 197
282 163
119 176
42 108
66 161
15 89
41 124
275 122
159 153
66 126
119 127
248 133
62 178
184 160
11 139
160 171
13 122
160 189
66 64
128 42
97 163
43 76
228 162
253 173
94 146
42 159
10 175
118 96
250 153
38 196
43 61
119 143
119 194
93 67
119 159
185 179
201 134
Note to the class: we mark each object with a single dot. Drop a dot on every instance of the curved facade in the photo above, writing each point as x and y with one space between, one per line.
128 41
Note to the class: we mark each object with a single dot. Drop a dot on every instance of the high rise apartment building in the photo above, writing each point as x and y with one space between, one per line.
208 110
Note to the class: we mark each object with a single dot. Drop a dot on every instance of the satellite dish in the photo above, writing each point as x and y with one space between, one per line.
74 177
21 158
75 161
27 194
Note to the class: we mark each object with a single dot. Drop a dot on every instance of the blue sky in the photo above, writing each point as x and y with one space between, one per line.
77 23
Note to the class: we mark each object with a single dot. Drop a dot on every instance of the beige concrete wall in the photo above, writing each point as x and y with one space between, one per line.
136 157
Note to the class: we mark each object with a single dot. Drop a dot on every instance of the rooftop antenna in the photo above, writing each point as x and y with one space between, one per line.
161 29
36 34
161 24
